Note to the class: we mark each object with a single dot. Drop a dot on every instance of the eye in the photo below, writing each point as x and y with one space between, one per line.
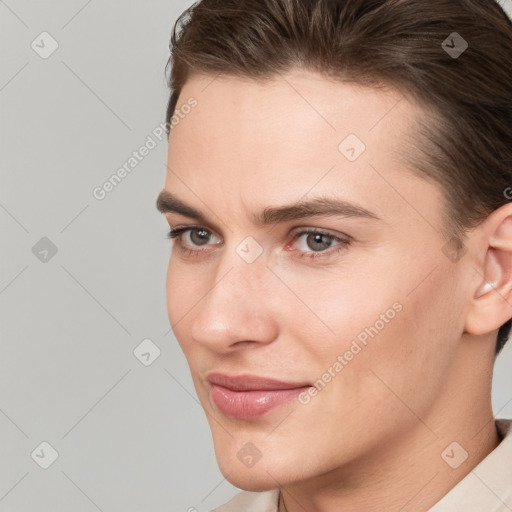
315 239
197 235
319 241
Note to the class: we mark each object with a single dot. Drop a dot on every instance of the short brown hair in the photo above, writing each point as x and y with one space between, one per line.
464 142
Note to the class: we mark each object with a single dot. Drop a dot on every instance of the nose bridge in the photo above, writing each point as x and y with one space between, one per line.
236 308
242 275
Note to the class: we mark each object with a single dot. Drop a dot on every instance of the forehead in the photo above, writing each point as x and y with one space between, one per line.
275 141
297 115
330 100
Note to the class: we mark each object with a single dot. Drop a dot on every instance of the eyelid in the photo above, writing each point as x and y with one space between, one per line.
343 242
299 230
323 231
177 231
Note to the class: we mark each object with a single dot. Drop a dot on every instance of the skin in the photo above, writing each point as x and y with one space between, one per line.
372 439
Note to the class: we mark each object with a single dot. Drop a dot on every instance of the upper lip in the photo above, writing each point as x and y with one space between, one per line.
251 382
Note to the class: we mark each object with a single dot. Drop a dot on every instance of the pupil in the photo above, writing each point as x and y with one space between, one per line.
317 238
202 238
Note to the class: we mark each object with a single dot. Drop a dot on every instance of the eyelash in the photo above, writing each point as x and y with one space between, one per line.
176 233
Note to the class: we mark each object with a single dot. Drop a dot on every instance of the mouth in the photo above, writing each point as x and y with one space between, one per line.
250 396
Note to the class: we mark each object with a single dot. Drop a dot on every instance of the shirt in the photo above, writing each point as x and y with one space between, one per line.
487 488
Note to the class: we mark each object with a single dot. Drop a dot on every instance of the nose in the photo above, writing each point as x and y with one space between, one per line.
238 310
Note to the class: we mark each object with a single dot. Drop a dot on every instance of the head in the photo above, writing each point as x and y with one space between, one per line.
379 106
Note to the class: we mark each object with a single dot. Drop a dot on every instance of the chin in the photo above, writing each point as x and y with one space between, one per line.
267 473
252 479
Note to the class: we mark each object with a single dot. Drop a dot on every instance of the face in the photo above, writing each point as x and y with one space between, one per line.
348 307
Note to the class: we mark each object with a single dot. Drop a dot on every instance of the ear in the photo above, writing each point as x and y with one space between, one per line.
492 301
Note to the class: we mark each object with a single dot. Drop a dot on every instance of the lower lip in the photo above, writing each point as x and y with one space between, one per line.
251 404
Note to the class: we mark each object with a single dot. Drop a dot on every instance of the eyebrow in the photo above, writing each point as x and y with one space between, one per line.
318 206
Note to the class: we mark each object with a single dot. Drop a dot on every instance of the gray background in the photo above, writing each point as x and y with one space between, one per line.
129 437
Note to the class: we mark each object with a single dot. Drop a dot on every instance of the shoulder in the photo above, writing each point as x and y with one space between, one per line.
248 501
489 485
504 427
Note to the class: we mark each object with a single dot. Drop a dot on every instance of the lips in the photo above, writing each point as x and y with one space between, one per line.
250 396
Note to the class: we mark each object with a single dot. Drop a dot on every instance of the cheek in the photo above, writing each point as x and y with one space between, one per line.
410 357
341 306
401 364
380 320
181 297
